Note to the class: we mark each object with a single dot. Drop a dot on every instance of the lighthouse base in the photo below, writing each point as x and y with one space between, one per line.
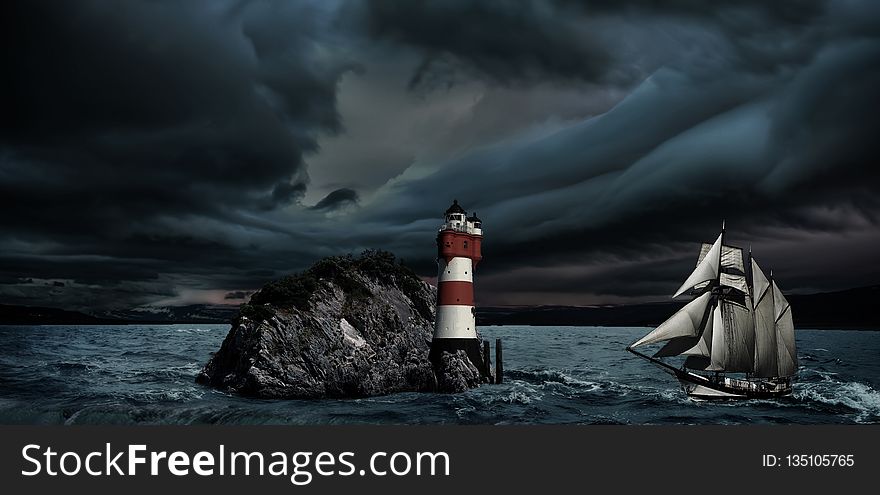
470 346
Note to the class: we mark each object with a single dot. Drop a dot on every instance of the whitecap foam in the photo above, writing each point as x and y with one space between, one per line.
857 396
194 330
557 376
168 395
465 411
517 392
188 368
519 397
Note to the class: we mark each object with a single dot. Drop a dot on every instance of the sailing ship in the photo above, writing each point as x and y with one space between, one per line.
736 334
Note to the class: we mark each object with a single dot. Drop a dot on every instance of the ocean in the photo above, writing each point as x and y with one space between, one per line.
146 375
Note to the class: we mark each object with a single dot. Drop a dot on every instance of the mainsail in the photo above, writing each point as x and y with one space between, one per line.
786 349
765 325
725 344
729 326
738 337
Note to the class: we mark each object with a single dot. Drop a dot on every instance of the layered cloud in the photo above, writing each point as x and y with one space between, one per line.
153 151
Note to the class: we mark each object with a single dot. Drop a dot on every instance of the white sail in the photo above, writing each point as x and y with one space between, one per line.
686 322
706 270
786 347
702 354
731 257
738 332
760 282
732 267
736 281
699 346
765 325
726 342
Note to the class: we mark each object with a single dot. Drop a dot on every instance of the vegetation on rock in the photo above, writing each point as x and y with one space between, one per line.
346 272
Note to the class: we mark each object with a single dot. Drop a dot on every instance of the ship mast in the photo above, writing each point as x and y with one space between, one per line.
717 302
721 254
750 281
718 290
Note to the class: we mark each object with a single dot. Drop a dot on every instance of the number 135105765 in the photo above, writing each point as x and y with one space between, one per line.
808 460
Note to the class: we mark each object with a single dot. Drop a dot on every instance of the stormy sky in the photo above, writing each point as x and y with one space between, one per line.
156 153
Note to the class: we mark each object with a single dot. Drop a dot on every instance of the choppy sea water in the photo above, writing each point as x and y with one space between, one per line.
145 374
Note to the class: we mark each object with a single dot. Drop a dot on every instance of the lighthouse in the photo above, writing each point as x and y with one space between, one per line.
458 253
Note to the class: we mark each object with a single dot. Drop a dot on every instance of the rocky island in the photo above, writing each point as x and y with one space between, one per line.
346 327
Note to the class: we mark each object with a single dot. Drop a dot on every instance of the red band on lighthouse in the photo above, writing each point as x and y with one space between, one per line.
452 244
455 292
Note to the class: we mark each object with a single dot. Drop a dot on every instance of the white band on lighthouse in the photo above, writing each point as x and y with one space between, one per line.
455 322
457 270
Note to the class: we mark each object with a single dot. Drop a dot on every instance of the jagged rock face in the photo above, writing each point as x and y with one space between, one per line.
456 373
347 327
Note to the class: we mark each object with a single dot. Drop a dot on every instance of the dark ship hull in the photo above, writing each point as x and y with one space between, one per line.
722 387
719 386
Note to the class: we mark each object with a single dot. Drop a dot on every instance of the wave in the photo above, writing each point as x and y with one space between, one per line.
548 377
603 391
523 397
158 354
188 370
146 375
168 395
198 330
514 393
73 367
855 398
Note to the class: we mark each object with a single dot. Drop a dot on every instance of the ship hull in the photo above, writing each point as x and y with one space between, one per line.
726 388
721 387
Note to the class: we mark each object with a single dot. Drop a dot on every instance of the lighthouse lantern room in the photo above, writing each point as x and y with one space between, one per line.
458 252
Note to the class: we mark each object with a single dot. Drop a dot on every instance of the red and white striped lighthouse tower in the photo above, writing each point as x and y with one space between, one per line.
458 252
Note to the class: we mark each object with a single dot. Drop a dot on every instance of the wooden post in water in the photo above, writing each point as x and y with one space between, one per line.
486 363
499 368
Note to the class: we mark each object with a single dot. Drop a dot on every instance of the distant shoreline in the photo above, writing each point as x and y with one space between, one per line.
851 309
170 323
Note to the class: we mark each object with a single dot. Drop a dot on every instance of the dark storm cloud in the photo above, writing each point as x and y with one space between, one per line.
121 119
284 194
150 150
160 108
237 295
510 42
337 199
156 108
502 40
780 153
733 12
753 151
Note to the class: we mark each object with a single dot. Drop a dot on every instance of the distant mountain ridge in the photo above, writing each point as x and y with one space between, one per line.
36 315
846 309
194 313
